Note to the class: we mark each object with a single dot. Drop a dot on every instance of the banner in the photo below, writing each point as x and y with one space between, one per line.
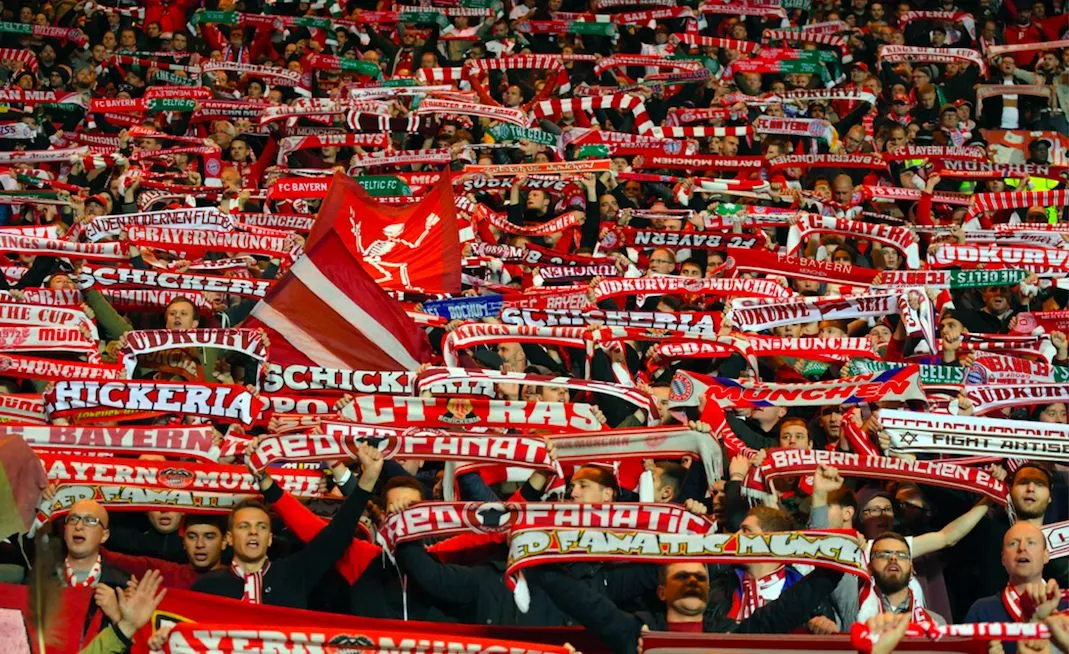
249 342
188 282
892 385
187 442
470 412
228 403
967 435
414 247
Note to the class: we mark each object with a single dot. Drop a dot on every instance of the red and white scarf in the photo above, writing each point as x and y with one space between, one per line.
71 577
187 442
470 412
673 285
246 341
253 592
187 282
219 401
968 435
900 238
755 593
198 217
990 398
909 53
894 385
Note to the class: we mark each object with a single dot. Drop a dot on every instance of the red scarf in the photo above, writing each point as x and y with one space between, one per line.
254 582
753 594
90 581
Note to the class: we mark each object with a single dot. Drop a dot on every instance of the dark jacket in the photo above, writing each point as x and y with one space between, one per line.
621 631
480 595
290 580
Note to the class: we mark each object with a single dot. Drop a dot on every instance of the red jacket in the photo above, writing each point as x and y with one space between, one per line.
175 575
305 524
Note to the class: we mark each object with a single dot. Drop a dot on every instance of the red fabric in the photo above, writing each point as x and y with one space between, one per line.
175 575
1014 34
301 521
170 15
686 627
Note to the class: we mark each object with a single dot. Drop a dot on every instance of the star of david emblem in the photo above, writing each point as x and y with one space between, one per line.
908 438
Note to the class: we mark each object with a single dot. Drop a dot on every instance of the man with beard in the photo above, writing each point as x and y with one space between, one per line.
202 539
1027 597
891 567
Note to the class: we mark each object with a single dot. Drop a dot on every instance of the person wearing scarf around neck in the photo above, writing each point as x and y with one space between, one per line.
288 581
84 531
1027 597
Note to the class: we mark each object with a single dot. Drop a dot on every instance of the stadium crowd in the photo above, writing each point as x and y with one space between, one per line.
733 268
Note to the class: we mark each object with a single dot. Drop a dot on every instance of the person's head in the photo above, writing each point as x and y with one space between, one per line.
202 538
667 480
684 588
593 485
128 38
608 206
537 200
853 139
831 419
890 562
1007 65
181 313
513 96
765 519
85 529
691 269
402 492
1030 491
842 189
876 510
729 147
165 522
794 434
179 42
996 298
239 151
842 507
553 394
248 531
512 355
1054 413
662 261
914 507
1039 151
661 394
927 94
951 328
61 282
948 117
1024 553
766 417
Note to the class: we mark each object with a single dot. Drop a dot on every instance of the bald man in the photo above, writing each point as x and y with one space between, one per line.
1024 553
84 531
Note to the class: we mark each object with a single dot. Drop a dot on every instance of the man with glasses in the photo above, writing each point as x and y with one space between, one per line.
84 531
662 262
891 566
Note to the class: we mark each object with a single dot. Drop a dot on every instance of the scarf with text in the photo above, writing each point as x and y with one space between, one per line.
789 265
202 476
197 242
892 385
691 322
863 639
470 412
207 638
531 546
249 342
899 238
988 398
22 409
62 248
650 238
758 315
174 281
124 497
25 367
674 285
190 442
436 377
793 463
38 338
911 54
967 435
223 402
1018 199
198 217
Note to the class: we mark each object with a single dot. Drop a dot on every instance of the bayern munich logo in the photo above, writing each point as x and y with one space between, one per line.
682 388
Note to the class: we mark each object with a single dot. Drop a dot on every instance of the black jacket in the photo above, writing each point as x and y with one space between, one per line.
621 631
479 594
290 580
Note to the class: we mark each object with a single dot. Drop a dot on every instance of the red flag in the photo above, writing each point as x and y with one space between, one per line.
328 312
414 247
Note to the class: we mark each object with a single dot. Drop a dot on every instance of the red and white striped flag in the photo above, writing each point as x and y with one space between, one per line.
329 312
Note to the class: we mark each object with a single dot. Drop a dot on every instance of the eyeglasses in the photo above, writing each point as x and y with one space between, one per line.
87 520
887 555
878 510
662 261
